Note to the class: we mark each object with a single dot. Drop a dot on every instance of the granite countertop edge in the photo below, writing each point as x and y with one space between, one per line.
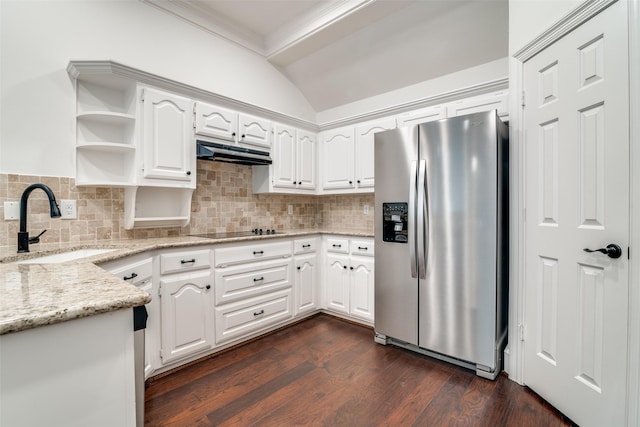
34 295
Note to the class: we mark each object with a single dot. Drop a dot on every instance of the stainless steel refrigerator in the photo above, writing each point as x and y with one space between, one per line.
441 232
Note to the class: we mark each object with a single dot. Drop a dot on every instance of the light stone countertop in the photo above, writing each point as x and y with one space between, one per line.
33 295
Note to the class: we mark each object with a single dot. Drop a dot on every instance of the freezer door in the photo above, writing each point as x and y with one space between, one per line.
396 283
458 296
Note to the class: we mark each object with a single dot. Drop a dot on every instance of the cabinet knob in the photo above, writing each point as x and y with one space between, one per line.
351 268
233 134
188 172
358 181
208 286
298 267
345 267
350 182
242 136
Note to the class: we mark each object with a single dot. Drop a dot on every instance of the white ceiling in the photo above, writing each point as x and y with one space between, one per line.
340 51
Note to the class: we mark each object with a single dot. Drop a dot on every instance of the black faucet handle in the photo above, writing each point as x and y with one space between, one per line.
37 238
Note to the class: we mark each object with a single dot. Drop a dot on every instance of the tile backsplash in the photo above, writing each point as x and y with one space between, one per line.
222 201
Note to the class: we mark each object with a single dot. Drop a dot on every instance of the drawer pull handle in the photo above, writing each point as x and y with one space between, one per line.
306 246
187 261
258 313
337 246
258 279
258 252
360 248
133 276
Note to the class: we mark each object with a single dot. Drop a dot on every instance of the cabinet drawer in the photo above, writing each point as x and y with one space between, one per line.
303 246
252 252
243 318
362 247
338 245
184 261
133 272
248 280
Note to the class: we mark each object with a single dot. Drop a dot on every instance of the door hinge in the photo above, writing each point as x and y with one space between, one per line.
523 99
142 95
521 332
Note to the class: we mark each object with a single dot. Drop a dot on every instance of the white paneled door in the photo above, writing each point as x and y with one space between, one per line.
577 196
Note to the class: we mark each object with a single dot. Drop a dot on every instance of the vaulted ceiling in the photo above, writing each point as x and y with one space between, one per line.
341 51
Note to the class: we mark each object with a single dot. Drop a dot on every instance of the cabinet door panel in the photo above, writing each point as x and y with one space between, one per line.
306 160
337 275
254 131
337 159
364 150
284 157
362 288
187 325
169 146
423 115
216 122
306 273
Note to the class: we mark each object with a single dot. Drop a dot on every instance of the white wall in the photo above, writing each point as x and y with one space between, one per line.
494 70
38 38
529 18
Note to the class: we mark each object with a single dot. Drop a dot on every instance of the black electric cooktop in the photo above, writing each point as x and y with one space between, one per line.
228 235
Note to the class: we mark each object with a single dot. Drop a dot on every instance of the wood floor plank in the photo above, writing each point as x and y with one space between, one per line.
327 372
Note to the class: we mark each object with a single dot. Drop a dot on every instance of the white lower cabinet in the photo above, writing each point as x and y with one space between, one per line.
254 291
243 318
186 303
138 271
349 277
187 321
306 275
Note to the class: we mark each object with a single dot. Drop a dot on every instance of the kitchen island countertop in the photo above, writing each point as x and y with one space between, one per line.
33 295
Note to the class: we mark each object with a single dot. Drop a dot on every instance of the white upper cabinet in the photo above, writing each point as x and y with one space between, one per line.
284 157
337 158
422 115
254 132
216 122
493 101
306 160
364 156
235 128
168 141
294 163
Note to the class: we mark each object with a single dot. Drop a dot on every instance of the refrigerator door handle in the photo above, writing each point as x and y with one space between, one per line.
412 217
422 218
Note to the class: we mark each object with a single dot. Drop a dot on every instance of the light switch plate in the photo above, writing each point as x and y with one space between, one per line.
290 209
365 210
68 209
11 210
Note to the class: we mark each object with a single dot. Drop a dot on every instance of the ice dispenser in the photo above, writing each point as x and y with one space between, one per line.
394 222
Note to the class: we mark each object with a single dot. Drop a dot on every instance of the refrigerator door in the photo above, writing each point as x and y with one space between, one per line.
457 298
396 282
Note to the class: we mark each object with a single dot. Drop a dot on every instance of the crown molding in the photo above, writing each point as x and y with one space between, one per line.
467 92
109 71
565 25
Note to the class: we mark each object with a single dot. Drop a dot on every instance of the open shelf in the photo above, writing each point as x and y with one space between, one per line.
147 207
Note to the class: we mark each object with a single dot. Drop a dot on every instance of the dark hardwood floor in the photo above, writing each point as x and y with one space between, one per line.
327 372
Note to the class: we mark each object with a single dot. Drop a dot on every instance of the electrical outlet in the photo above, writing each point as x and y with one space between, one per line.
68 209
11 210
366 209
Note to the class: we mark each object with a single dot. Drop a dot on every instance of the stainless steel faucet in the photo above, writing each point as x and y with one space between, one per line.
23 234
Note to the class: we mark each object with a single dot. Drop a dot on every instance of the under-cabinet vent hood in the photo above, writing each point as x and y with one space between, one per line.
227 153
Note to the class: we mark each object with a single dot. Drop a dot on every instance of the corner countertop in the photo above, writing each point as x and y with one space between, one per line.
33 295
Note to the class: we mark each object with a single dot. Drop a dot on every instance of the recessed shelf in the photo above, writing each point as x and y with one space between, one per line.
107 117
108 147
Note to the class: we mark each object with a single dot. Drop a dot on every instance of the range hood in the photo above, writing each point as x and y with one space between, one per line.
230 154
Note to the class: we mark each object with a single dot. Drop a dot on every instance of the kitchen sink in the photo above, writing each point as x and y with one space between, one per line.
66 256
